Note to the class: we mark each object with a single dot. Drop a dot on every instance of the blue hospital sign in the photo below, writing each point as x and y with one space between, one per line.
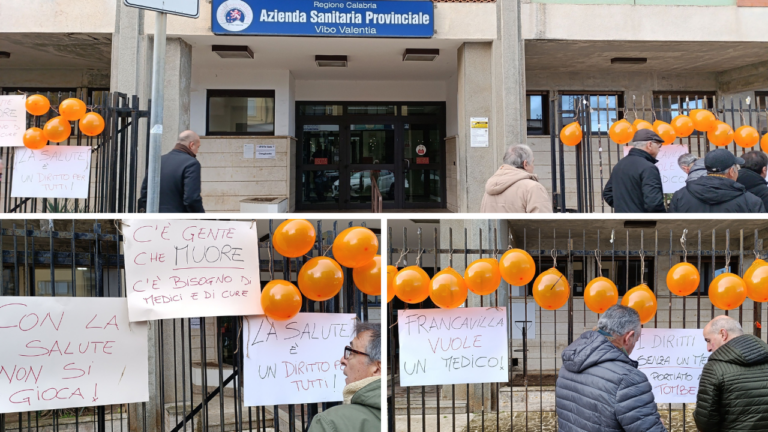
380 18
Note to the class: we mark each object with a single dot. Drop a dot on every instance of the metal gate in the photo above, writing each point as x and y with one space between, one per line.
526 401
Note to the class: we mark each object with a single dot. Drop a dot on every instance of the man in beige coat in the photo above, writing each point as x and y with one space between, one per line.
514 188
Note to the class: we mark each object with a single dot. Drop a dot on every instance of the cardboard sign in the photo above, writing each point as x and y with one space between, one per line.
672 359
672 176
191 268
53 172
64 352
453 346
13 120
298 360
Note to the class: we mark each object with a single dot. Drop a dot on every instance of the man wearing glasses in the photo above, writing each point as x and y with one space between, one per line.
362 394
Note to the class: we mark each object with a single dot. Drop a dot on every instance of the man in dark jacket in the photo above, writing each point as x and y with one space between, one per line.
733 390
635 183
752 175
718 192
599 387
179 178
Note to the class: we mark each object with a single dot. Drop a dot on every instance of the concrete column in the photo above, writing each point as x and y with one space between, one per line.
128 44
509 119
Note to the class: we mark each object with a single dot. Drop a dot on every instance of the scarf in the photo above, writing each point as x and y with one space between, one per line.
185 149
351 389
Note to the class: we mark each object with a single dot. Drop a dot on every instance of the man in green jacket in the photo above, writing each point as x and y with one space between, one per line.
733 391
361 411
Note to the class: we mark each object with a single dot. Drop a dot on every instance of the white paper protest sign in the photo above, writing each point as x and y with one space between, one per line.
453 346
672 176
298 361
64 352
13 120
191 268
672 359
53 172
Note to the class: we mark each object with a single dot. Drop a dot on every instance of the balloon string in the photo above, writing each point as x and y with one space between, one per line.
642 267
398 318
269 250
554 258
682 243
418 258
598 256
727 259
402 254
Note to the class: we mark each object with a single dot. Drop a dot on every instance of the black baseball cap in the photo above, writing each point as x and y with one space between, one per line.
720 160
646 135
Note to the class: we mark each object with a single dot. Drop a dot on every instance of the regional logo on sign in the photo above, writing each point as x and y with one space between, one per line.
234 15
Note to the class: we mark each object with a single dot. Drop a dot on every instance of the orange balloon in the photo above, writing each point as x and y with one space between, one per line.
682 125
57 130
448 289
621 132
746 136
483 276
764 143
391 273
756 280
727 291
321 278
368 277
355 247
551 289
665 131
34 139
571 134
294 238
600 294
281 300
37 105
641 299
72 109
703 120
642 124
92 124
721 135
517 267
683 279
411 285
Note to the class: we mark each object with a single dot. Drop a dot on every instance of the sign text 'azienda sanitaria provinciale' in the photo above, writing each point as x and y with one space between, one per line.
412 19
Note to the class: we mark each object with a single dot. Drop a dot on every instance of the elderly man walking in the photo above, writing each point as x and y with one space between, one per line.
514 188
179 178
635 183
600 387
362 394
733 390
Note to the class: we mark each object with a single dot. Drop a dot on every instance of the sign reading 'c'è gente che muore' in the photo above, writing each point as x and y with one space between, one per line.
412 19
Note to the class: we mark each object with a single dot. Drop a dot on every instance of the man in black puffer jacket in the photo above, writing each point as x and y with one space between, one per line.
635 183
752 175
718 192
600 387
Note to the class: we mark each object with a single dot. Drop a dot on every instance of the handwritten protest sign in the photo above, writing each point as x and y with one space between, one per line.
13 120
53 172
453 346
672 176
298 360
63 352
191 268
672 359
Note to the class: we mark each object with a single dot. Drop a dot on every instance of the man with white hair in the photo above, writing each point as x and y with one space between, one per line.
599 387
514 188
733 389
692 165
635 183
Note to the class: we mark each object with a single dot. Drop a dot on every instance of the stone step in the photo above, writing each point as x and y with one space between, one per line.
175 414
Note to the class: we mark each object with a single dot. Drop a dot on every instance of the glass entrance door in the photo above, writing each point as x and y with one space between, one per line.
371 156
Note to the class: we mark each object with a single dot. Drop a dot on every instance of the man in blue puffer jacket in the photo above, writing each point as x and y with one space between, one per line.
600 387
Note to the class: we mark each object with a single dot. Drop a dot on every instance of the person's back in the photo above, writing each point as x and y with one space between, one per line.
514 188
362 414
713 194
635 182
753 173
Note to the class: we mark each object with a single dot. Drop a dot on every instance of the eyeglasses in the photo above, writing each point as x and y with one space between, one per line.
348 350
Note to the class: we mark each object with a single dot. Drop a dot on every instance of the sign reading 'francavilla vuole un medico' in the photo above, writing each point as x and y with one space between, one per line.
324 18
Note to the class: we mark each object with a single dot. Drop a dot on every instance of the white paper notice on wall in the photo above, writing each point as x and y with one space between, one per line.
248 150
672 176
298 361
453 346
191 268
52 172
266 151
478 127
13 120
672 359
64 352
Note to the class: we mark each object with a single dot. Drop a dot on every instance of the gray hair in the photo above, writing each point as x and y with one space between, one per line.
686 160
640 144
619 320
724 322
374 344
516 155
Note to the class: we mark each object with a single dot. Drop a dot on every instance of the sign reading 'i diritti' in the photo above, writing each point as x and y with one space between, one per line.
412 19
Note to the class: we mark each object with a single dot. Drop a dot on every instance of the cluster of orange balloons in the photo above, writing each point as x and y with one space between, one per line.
58 128
321 278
